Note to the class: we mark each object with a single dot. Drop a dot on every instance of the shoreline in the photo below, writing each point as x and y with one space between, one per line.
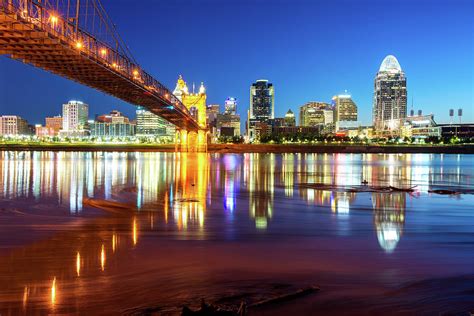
255 148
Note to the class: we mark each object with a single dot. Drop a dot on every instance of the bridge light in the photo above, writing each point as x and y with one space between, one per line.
53 19
78 45
114 65
103 52
135 73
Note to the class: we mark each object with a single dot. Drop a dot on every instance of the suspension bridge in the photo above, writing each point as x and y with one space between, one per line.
76 39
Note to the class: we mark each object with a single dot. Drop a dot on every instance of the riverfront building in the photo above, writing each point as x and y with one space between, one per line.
262 105
75 115
13 125
390 95
150 124
316 113
54 123
228 123
345 110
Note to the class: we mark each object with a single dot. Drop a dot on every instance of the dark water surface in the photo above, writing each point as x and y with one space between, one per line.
232 227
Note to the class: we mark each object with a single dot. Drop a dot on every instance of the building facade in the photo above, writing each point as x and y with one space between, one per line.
55 123
390 95
316 113
230 106
13 125
345 109
262 104
113 117
75 116
102 129
150 124
290 119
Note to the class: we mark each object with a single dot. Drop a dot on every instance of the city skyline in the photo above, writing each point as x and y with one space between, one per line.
301 77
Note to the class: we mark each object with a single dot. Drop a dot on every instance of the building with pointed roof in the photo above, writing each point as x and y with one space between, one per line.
390 95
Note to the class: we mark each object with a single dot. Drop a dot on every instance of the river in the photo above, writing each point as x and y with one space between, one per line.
233 227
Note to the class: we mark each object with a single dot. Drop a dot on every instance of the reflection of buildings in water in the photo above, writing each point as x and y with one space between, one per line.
159 178
231 180
15 174
259 171
190 188
341 202
389 218
287 173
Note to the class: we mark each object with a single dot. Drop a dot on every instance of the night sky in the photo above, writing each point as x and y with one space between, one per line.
309 50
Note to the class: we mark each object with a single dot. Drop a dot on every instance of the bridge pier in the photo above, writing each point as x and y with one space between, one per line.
190 141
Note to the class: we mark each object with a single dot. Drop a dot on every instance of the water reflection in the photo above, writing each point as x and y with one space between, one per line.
193 196
389 218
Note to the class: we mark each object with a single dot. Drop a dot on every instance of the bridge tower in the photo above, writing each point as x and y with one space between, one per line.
195 102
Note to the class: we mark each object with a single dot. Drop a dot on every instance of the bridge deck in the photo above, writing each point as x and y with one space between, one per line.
31 41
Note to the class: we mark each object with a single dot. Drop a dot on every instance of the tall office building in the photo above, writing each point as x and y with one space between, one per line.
262 101
262 105
228 123
390 95
345 111
75 114
150 124
13 125
316 113
344 108
230 106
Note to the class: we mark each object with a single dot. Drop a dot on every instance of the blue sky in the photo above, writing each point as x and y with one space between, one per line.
309 50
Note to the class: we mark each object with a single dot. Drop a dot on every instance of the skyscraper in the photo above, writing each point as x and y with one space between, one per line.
230 106
262 107
228 123
316 113
390 95
345 110
75 114
262 100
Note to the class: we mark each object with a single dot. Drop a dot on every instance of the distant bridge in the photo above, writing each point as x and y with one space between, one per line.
78 41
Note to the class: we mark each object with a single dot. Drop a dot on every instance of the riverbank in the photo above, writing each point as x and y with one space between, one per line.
253 148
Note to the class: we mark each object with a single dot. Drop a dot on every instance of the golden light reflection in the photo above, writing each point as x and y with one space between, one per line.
102 258
25 296
114 242
134 231
78 264
53 292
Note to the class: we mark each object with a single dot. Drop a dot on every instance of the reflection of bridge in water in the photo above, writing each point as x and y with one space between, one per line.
78 41
182 194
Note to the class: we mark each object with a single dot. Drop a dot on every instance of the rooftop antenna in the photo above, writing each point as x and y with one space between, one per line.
193 87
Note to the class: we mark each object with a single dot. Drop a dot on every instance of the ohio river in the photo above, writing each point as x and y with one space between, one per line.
233 227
